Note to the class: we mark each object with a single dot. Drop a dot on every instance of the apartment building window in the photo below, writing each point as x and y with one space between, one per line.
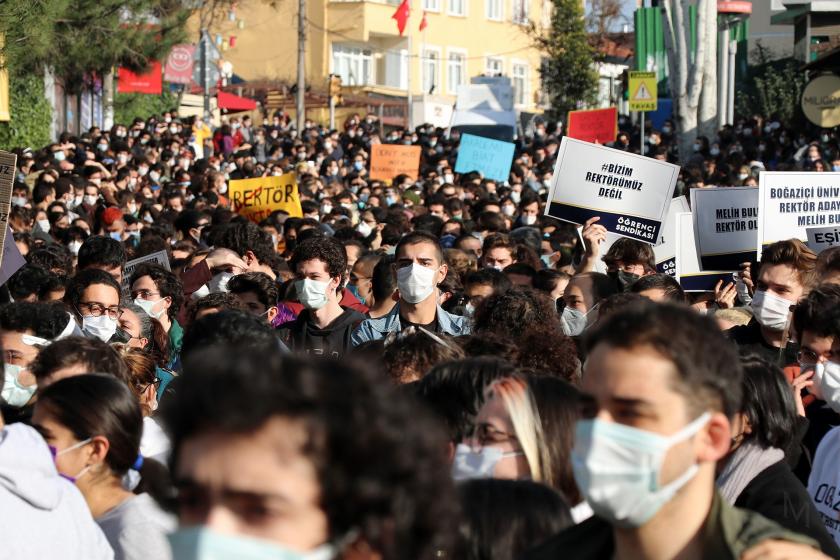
353 64
457 7
493 66
431 5
431 70
495 9
520 11
456 71
520 83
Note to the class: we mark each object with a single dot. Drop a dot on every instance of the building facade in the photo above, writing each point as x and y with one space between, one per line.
359 41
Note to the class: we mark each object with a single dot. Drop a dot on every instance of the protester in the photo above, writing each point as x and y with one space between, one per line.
786 273
419 268
297 439
755 475
324 327
94 424
160 294
661 385
503 519
38 502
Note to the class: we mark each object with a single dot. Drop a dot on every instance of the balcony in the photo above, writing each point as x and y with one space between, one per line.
358 20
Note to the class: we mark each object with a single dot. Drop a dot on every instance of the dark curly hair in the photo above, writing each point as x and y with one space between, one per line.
242 237
167 284
515 311
325 249
412 355
102 251
46 320
53 258
79 283
94 354
378 457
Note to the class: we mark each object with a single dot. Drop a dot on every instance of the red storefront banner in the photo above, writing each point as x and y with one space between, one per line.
150 82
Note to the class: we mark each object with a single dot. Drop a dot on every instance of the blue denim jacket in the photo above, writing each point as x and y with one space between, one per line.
379 328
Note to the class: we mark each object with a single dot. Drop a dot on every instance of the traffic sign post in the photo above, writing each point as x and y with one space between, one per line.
643 97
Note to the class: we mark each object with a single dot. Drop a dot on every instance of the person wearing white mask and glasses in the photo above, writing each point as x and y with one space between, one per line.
785 275
660 388
324 327
94 296
419 267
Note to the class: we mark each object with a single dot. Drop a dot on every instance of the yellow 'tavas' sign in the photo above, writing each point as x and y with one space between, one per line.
643 95
821 101
257 198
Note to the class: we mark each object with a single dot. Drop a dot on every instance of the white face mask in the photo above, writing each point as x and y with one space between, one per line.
74 247
14 394
573 321
44 225
148 306
618 468
90 199
312 294
220 281
469 464
102 327
515 196
416 282
509 210
771 311
827 384
364 229
223 188
529 220
19 201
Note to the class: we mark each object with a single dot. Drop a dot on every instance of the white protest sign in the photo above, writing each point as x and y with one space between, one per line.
630 193
689 274
792 201
725 224
822 238
666 251
161 258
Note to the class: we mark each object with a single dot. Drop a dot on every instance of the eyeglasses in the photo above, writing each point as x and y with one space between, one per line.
143 387
98 309
143 294
806 356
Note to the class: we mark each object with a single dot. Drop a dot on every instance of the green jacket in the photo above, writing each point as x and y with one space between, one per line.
729 532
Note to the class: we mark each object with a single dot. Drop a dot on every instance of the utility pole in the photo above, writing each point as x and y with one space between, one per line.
409 98
301 70
205 82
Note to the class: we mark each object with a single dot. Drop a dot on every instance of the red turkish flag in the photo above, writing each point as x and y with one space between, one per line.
401 15
423 23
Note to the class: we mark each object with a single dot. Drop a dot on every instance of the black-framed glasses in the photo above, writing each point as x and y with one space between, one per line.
142 387
97 309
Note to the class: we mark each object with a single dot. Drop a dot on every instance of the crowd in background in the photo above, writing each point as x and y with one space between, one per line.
423 367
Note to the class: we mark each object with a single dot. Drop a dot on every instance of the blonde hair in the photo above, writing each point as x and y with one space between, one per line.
525 417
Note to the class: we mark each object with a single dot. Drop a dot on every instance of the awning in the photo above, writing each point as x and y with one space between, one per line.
235 103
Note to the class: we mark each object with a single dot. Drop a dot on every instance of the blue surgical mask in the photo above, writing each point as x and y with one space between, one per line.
469 464
358 165
202 543
618 469
355 291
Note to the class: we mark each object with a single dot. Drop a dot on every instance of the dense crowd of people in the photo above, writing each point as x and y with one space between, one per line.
422 368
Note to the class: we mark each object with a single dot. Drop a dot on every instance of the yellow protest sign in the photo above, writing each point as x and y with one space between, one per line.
389 160
643 95
257 198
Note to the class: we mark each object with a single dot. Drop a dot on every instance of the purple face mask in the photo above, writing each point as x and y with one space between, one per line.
55 453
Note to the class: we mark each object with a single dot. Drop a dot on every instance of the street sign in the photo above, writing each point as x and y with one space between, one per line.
643 94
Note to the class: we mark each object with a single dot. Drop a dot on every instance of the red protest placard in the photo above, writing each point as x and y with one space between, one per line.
596 126
150 82
389 160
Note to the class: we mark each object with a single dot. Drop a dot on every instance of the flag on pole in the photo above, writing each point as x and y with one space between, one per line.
423 23
401 15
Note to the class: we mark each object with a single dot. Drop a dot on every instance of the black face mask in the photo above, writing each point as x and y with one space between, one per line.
623 279
120 336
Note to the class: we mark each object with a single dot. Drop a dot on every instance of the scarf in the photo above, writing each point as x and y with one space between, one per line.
743 466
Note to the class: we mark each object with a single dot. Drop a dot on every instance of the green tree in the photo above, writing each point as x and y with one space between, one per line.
569 75
128 106
30 124
77 38
772 87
